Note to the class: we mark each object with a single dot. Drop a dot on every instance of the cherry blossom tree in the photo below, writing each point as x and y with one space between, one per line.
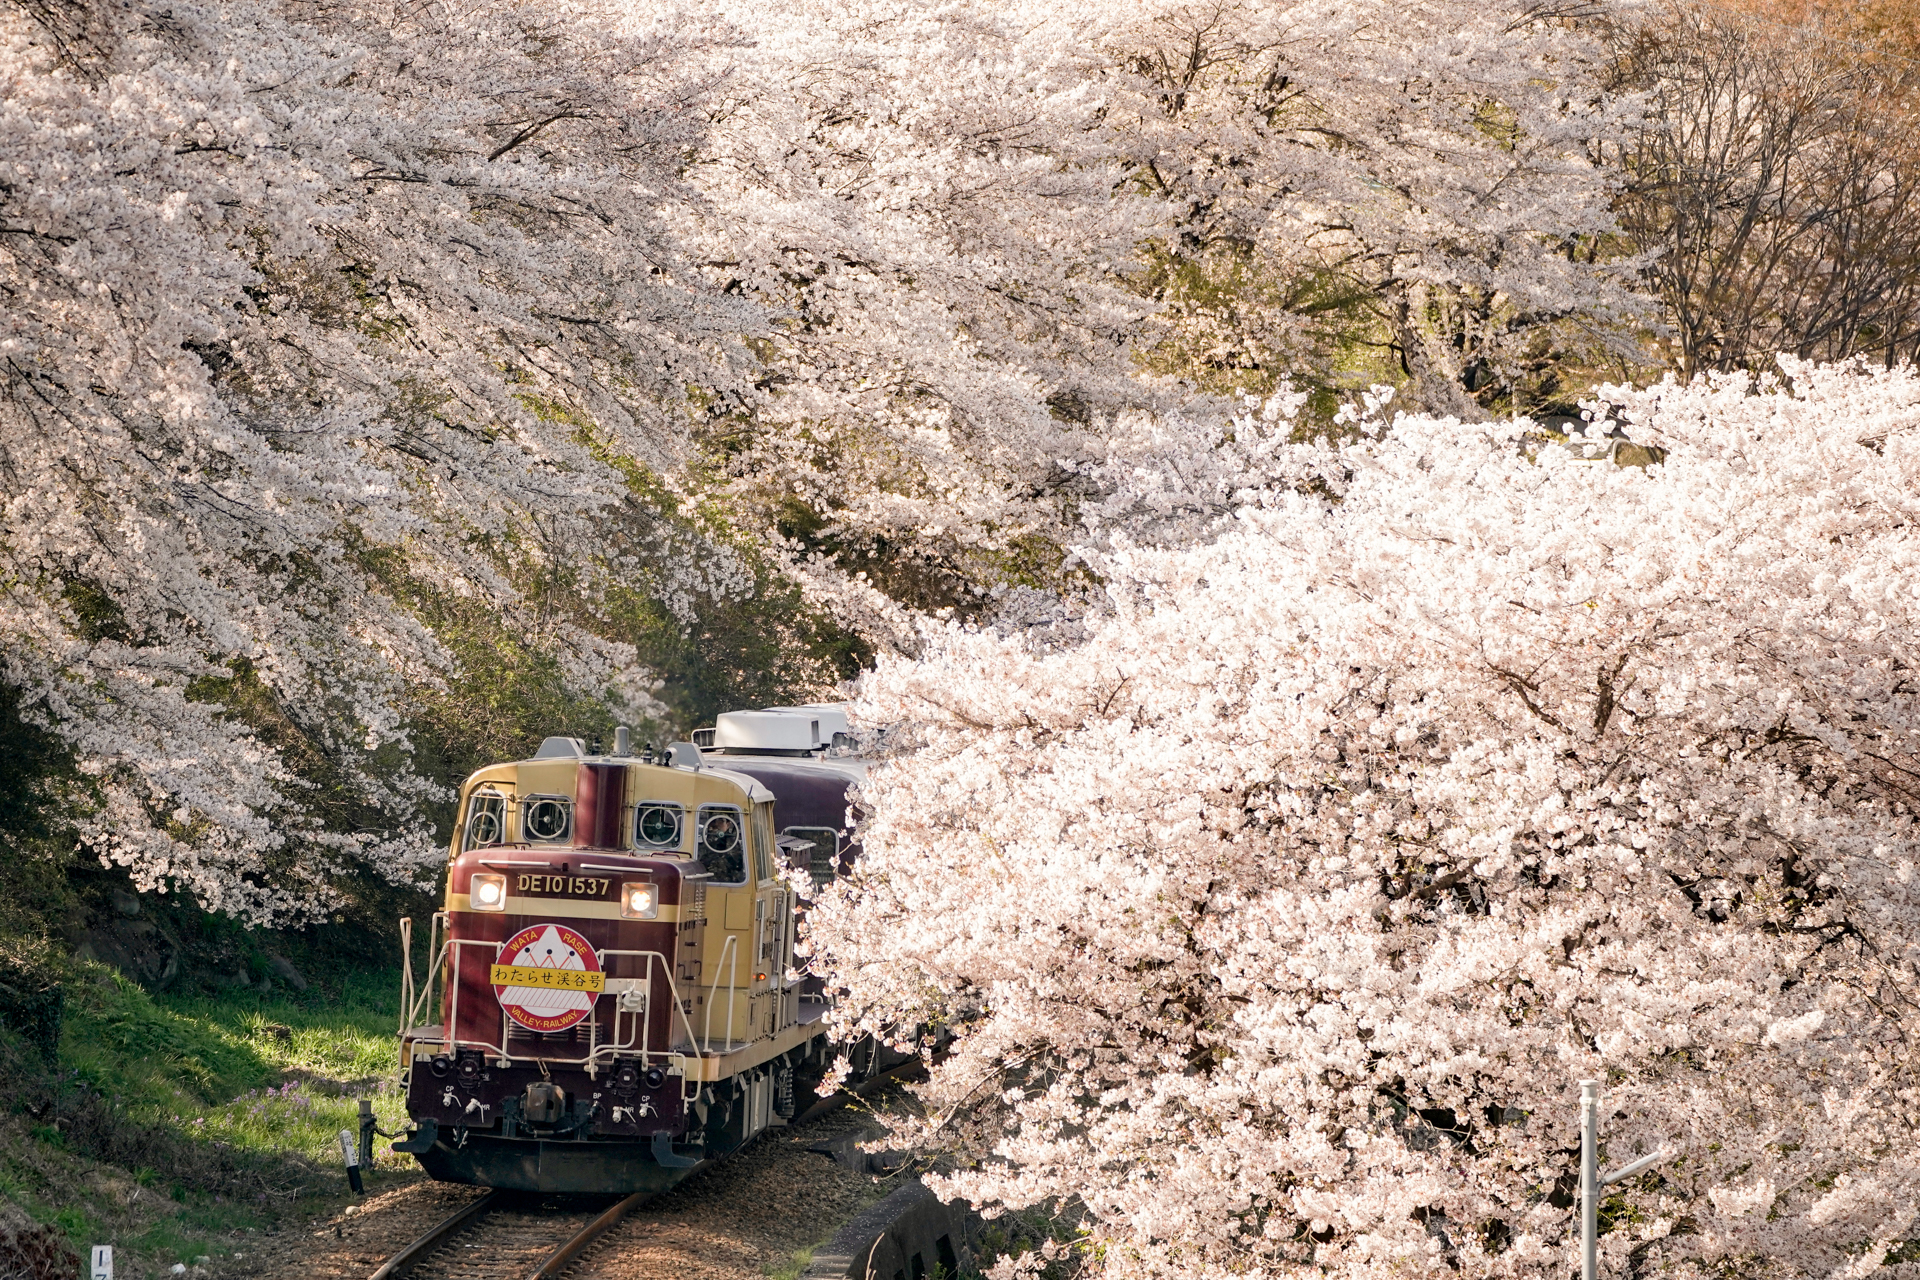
319 312
927 198
299 299
1276 906
949 203
1429 179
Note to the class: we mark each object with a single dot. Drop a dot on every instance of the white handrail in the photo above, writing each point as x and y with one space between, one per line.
673 993
406 970
596 1050
406 991
733 988
436 953
728 957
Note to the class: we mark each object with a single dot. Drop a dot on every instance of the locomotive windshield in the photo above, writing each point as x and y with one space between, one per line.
547 819
486 820
656 825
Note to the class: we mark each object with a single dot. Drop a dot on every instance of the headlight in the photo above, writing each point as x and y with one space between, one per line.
639 900
487 893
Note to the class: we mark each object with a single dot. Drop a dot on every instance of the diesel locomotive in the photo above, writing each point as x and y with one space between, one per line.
610 966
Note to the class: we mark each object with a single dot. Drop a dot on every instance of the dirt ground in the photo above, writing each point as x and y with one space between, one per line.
742 1220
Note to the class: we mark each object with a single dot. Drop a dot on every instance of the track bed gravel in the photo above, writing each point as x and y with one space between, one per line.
741 1220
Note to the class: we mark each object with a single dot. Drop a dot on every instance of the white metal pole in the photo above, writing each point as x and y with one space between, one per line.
1589 1179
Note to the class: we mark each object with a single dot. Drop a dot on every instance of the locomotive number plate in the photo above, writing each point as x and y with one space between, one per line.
539 886
526 975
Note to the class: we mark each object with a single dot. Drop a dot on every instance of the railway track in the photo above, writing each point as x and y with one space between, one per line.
506 1235
510 1235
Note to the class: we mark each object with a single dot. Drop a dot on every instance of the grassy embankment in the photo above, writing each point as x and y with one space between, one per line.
171 1127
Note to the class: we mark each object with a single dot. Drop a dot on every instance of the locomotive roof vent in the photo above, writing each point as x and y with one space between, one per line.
767 732
561 749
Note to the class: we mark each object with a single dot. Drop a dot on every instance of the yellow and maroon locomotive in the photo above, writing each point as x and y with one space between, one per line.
611 965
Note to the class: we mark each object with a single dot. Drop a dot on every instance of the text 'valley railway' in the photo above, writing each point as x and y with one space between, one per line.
610 968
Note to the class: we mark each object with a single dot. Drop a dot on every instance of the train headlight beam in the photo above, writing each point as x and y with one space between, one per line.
639 900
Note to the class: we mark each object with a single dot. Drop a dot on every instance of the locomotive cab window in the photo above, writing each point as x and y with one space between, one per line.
657 824
822 855
763 841
546 819
722 843
486 822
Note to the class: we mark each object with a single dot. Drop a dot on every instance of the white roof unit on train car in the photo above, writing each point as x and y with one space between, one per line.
831 715
768 731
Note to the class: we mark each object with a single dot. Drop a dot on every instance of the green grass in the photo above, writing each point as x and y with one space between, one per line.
278 1077
151 1226
173 1126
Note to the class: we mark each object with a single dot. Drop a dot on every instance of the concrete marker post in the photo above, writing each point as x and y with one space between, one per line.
350 1152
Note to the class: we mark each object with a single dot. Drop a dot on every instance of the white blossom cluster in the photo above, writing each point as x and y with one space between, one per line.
1276 912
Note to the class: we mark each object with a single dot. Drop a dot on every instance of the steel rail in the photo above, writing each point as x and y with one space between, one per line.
399 1263
552 1266
561 1258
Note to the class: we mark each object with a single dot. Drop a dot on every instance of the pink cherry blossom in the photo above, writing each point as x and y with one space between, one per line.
1277 904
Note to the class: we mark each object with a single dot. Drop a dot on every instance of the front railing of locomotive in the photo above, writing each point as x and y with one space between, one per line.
562 1009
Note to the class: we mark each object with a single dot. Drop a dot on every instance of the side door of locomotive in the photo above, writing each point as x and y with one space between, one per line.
773 930
748 938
